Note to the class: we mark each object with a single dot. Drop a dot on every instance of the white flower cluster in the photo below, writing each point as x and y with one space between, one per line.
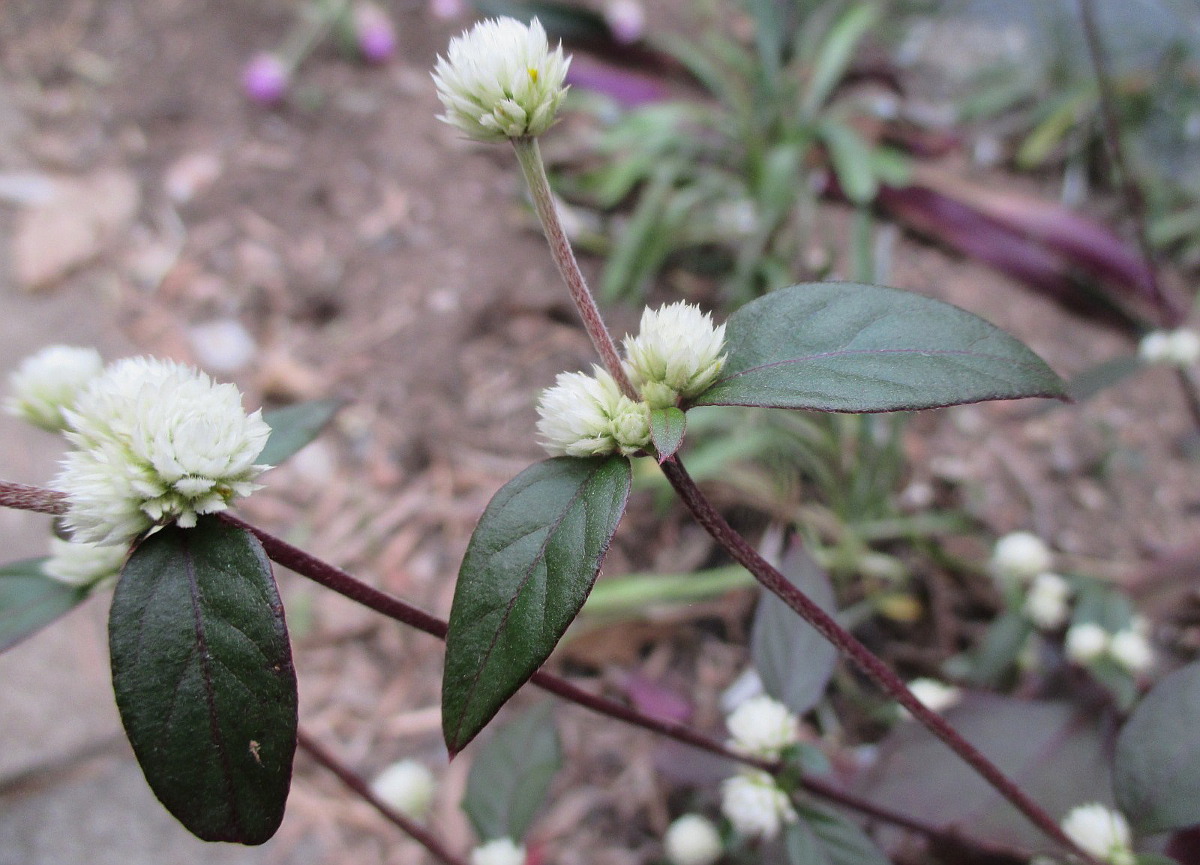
755 806
676 354
1179 348
155 441
499 851
933 695
1019 557
500 80
762 727
1046 605
49 381
81 564
1101 832
406 786
692 840
1088 641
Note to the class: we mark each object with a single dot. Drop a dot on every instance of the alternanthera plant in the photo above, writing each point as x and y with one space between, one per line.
201 662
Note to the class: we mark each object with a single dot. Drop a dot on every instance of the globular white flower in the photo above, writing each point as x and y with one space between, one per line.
1132 650
755 805
934 695
500 851
81 564
1020 556
1170 347
1046 604
501 80
587 415
692 840
49 381
676 354
762 727
157 442
406 786
1086 641
1101 832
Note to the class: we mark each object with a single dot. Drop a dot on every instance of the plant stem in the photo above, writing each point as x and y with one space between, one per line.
771 579
530 158
27 498
362 789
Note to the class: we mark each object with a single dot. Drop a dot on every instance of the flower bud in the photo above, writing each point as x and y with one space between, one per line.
676 354
49 381
1131 650
1179 348
1086 642
933 695
762 727
755 805
374 32
692 840
1046 604
501 80
406 786
587 415
266 78
500 851
1020 556
81 564
1101 832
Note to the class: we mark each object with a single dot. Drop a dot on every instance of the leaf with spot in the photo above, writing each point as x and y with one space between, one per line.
530 565
848 347
30 600
203 676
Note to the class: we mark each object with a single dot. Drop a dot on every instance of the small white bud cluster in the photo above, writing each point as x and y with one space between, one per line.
1046 605
406 786
934 695
1019 557
1179 348
1101 832
1087 642
155 441
85 565
499 851
676 354
48 382
500 80
692 840
751 800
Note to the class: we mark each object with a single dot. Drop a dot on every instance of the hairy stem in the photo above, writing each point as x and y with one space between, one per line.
771 579
530 158
362 789
27 498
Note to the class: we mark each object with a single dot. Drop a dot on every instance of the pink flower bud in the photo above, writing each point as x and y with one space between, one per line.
266 79
374 32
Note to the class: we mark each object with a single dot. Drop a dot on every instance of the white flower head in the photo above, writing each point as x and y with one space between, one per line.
157 441
49 381
501 80
587 415
755 805
1170 347
1046 604
1101 832
406 786
692 840
1020 556
677 353
762 727
1086 642
933 695
1131 650
500 851
81 564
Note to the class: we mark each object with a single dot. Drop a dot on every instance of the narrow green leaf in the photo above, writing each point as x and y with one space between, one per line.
863 348
823 837
203 677
30 600
528 569
836 53
852 162
1156 770
295 426
511 774
793 660
667 427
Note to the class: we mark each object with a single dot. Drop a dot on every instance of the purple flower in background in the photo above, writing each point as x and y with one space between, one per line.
266 79
626 20
374 32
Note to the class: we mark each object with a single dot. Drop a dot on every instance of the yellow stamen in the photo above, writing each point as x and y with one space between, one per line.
533 74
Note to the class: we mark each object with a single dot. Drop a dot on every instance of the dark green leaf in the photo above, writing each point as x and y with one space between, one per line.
30 600
793 660
294 427
1001 647
528 569
203 677
667 426
511 773
862 348
1156 773
823 837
